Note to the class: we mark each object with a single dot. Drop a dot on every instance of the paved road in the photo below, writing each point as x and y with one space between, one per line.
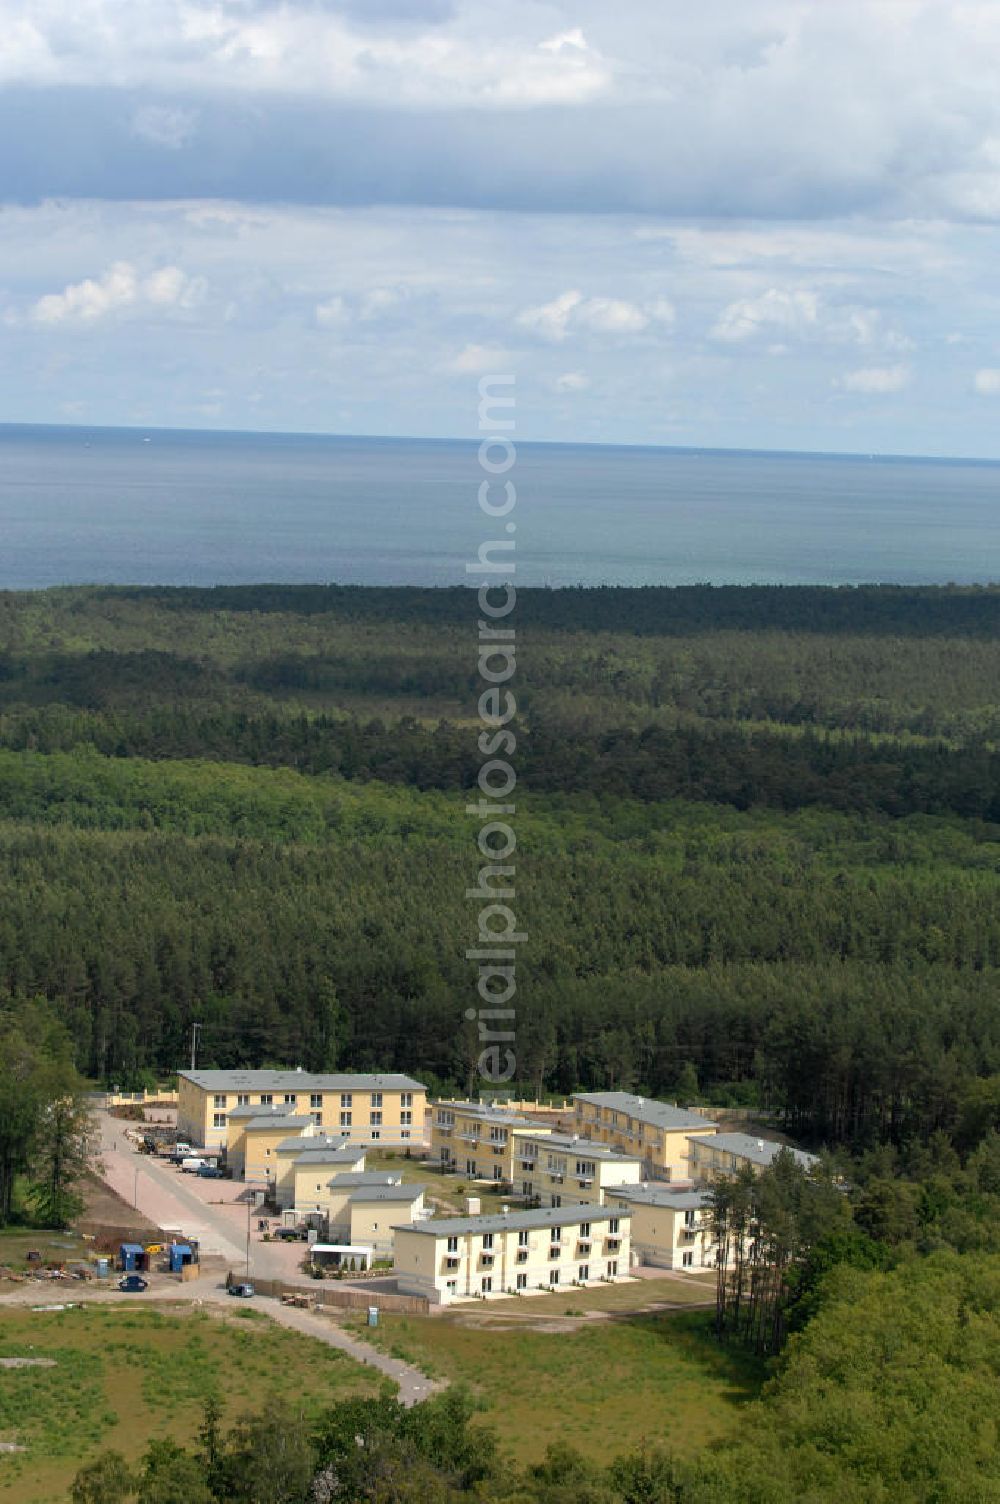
172 1199
413 1385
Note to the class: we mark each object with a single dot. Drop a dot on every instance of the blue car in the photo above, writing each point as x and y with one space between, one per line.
133 1284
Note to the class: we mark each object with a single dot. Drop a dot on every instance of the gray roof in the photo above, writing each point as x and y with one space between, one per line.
283 1121
364 1177
262 1110
297 1080
486 1112
646 1109
662 1195
315 1143
759 1151
387 1193
589 1147
544 1216
329 1157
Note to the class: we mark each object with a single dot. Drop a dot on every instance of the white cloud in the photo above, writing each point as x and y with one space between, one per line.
601 315
332 314
574 39
550 320
877 380
791 312
165 126
119 288
476 359
987 382
571 381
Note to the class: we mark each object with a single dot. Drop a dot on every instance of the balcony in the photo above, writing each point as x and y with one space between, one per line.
522 1255
612 1244
468 1138
584 1182
583 1244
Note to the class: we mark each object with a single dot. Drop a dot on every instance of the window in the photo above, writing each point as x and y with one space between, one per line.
689 1218
553 1276
687 1259
555 1235
585 1229
452 1245
374 1133
376 1118
316 1099
612 1268
470 1168
406 1117
451 1286
522 1281
376 1099
266 1099
404 1133
487 1283
345 1099
583 1273
498 1172
522 1238
585 1169
220 1099
526 1188
613 1226
219 1120
487 1240
406 1099
290 1098
555 1201
317 1118
345 1120
243 1099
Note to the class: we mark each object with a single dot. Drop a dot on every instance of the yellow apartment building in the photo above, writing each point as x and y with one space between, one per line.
305 1164
671 1229
726 1153
261 1138
563 1169
335 1203
236 1131
657 1133
383 1109
477 1139
378 1211
466 1258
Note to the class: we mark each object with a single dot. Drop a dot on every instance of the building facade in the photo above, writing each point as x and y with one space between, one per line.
671 1229
477 1140
383 1109
562 1169
466 1258
727 1153
658 1134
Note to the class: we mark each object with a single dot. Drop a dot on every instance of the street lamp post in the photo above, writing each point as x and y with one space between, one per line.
249 1206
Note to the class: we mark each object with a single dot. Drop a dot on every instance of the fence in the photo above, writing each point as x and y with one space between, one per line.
344 1297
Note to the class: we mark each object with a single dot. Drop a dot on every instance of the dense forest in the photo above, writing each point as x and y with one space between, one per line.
759 836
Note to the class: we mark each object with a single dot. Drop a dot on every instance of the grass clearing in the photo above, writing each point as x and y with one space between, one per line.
55 1247
123 1377
603 1387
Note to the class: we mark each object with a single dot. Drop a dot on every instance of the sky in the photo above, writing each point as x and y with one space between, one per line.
742 223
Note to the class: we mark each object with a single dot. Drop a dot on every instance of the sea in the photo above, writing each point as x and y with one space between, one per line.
154 506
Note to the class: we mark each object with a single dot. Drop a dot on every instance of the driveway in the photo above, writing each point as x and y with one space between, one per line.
215 1212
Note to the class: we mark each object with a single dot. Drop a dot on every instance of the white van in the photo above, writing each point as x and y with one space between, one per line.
193 1164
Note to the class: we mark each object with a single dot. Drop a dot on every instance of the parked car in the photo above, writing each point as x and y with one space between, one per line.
289 1235
133 1284
210 1172
242 1288
193 1165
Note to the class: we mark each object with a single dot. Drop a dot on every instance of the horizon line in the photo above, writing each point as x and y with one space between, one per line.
874 456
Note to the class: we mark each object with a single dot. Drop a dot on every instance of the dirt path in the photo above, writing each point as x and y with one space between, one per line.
413 1385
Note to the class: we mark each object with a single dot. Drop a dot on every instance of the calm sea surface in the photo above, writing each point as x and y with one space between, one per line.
122 506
